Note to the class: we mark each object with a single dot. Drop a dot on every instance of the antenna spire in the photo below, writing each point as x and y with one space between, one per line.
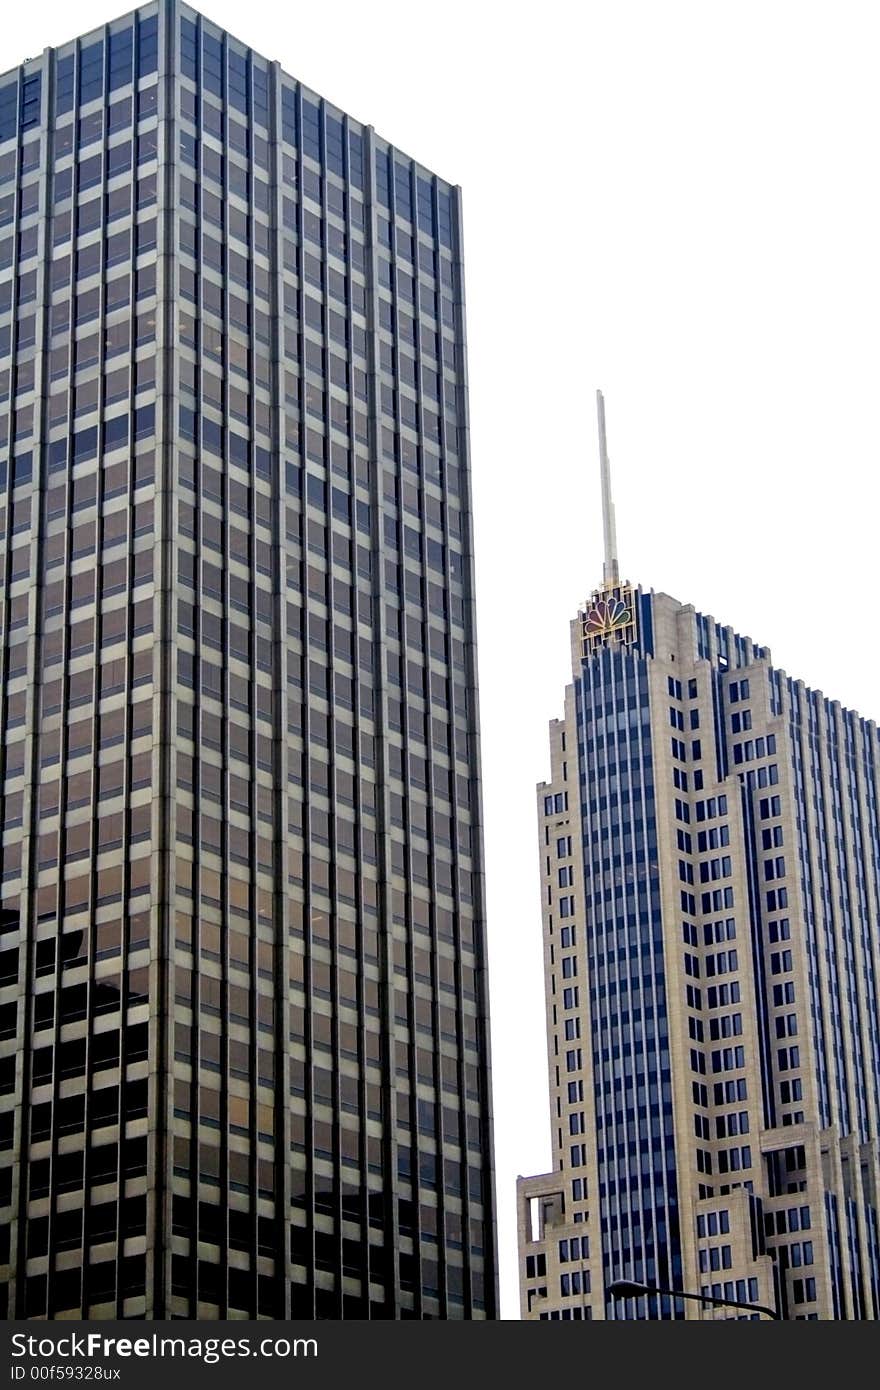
610 575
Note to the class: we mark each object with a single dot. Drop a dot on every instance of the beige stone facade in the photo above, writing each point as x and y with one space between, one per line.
709 851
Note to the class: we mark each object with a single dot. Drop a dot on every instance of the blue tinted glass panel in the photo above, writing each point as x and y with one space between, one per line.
148 46
311 131
425 196
189 49
212 65
57 455
121 58
444 219
31 91
85 444
22 469
261 96
335 138
289 130
383 179
239 449
212 436
238 82
116 432
402 192
91 72
8 111
356 160
64 85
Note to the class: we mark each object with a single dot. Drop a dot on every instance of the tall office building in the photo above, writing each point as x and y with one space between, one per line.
243 995
710 866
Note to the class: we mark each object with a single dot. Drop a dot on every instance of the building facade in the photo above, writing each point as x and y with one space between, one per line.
243 1009
710 867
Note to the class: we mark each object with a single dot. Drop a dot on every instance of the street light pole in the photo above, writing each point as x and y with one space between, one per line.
626 1288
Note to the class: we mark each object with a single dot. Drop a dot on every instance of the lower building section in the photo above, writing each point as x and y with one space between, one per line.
785 1247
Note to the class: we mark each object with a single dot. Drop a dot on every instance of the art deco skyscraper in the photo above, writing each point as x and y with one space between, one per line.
242 974
710 864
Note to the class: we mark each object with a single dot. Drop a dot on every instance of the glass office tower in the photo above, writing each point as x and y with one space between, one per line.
710 867
242 965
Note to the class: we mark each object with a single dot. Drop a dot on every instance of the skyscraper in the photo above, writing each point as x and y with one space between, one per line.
710 865
242 965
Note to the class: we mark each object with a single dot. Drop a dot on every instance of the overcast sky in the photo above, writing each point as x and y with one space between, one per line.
677 202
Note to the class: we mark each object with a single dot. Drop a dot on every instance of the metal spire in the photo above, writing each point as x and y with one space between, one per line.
610 575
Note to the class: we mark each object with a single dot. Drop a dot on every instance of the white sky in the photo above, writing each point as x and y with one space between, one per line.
679 203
